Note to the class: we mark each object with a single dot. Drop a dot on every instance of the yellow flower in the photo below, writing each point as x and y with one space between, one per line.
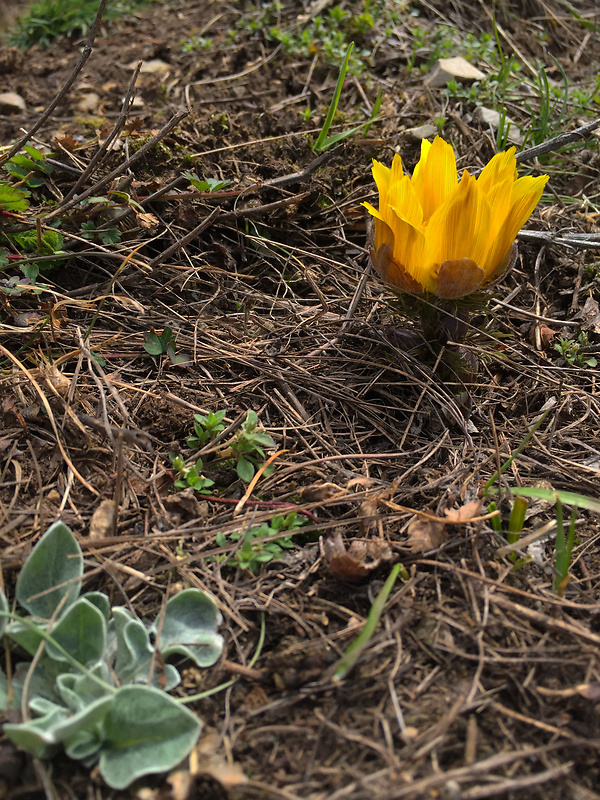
446 236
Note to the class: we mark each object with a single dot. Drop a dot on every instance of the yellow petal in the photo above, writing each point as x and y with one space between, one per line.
403 200
499 198
460 227
391 272
525 195
501 167
397 171
435 177
425 148
383 234
409 246
382 175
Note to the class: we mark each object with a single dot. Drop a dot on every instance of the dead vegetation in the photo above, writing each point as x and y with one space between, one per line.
481 681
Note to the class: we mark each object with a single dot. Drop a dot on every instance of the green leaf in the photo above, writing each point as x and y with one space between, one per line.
78 690
145 732
12 198
36 735
82 734
189 628
569 498
320 143
4 611
100 600
153 344
135 655
51 574
245 469
81 631
27 636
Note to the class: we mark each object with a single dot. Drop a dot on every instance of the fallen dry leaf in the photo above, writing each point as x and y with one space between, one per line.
589 316
359 560
368 512
464 513
426 534
318 492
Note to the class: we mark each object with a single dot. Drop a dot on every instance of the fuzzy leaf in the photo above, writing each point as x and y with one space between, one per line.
145 732
4 610
78 690
26 636
134 655
55 561
81 734
100 600
36 736
81 631
189 628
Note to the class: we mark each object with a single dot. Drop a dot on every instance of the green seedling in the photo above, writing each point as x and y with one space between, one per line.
571 351
254 551
93 681
30 168
209 185
564 542
43 243
352 654
190 477
326 142
163 344
206 428
107 236
195 43
247 448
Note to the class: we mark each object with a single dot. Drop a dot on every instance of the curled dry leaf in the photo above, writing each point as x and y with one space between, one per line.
146 220
359 560
464 513
590 316
319 492
426 534
370 508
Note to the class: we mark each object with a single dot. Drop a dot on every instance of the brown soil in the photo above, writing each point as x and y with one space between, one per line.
480 681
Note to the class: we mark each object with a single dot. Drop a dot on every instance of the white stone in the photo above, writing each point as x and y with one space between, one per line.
492 118
458 68
88 102
421 132
151 66
11 103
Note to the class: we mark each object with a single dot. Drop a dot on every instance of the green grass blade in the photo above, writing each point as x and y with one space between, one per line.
350 657
519 449
319 144
517 519
552 495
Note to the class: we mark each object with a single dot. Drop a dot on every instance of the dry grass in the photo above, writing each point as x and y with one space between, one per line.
481 681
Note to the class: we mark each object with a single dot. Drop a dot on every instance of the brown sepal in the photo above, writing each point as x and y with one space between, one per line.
458 278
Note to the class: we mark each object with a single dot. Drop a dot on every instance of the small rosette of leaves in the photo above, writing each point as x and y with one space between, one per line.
97 687
248 447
